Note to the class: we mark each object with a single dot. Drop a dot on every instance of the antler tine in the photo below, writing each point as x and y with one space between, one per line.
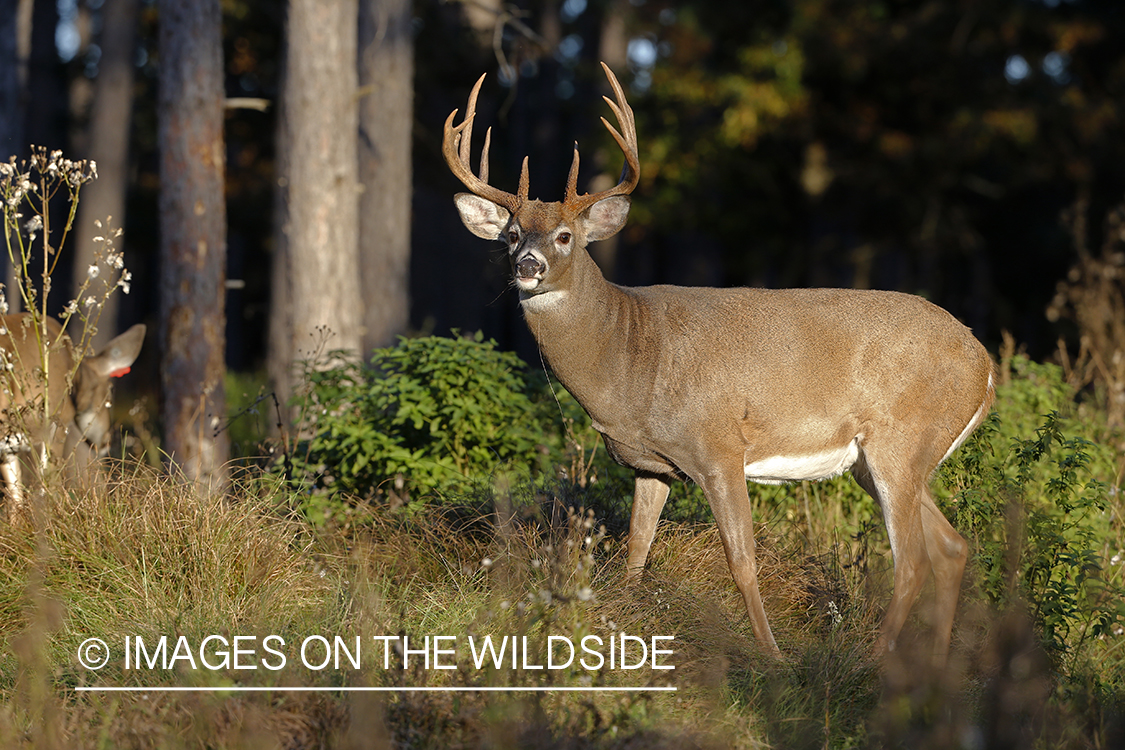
455 146
524 182
484 156
466 136
626 140
572 178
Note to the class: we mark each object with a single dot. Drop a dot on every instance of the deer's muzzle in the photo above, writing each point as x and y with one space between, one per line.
528 267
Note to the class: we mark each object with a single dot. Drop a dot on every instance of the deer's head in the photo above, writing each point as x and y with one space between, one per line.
543 238
93 386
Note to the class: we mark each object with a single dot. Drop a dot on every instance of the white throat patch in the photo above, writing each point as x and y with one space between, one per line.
541 302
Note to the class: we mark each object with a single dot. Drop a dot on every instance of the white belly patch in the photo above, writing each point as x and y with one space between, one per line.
821 465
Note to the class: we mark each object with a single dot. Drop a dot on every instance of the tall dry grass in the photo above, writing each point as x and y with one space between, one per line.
144 555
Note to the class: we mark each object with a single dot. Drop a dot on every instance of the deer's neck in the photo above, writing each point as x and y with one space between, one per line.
586 330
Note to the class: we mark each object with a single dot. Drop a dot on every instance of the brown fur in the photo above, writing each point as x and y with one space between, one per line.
78 427
700 383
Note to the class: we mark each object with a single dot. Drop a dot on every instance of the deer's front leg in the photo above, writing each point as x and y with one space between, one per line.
649 495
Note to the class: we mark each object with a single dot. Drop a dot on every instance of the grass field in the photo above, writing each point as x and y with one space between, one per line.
1038 657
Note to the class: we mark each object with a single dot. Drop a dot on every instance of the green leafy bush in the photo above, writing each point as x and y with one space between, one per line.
1032 500
426 415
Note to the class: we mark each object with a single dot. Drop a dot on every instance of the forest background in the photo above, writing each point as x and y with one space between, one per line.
966 151
276 170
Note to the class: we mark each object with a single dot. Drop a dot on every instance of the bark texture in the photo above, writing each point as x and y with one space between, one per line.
110 120
316 305
386 116
193 238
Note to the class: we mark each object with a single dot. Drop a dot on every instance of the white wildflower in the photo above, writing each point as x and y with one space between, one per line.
115 261
71 307
89 302
93 271
834 613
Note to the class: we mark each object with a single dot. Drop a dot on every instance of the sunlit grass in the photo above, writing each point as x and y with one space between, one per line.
144 555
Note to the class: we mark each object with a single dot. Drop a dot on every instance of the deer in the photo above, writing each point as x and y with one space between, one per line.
78 392
725 386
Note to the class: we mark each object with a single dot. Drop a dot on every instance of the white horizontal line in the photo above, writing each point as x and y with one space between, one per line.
351 689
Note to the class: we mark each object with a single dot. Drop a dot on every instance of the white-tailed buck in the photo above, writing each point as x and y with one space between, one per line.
724 385
74 429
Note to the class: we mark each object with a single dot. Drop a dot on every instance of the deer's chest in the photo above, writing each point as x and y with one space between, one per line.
637 453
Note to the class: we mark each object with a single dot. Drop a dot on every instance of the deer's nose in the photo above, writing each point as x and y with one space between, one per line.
528 267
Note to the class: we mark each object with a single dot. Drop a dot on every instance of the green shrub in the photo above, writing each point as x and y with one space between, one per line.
1030 495
428 414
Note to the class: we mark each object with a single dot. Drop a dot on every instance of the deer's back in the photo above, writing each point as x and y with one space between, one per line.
21 376
814 360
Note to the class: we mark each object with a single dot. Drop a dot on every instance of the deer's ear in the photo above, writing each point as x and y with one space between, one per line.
606 217
482 217
119 354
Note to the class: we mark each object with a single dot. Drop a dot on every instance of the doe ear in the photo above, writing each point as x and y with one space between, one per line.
606 217
120 353
482 217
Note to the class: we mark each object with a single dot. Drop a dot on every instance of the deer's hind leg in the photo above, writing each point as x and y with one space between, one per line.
892 485
948 553
921 539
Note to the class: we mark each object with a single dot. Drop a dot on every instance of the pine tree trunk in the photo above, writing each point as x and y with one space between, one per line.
193 238
316 306
110 120
386 116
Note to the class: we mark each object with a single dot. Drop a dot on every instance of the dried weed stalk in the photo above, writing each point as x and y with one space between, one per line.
1092 296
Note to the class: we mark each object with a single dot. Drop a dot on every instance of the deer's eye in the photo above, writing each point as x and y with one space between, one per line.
513 237
563 238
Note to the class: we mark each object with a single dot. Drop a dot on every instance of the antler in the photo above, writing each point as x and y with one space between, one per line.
455 145
631 174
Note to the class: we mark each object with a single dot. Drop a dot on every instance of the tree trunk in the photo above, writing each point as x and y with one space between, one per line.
15 51
193 238
109 146
386 117
316 294
11 111
279 354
